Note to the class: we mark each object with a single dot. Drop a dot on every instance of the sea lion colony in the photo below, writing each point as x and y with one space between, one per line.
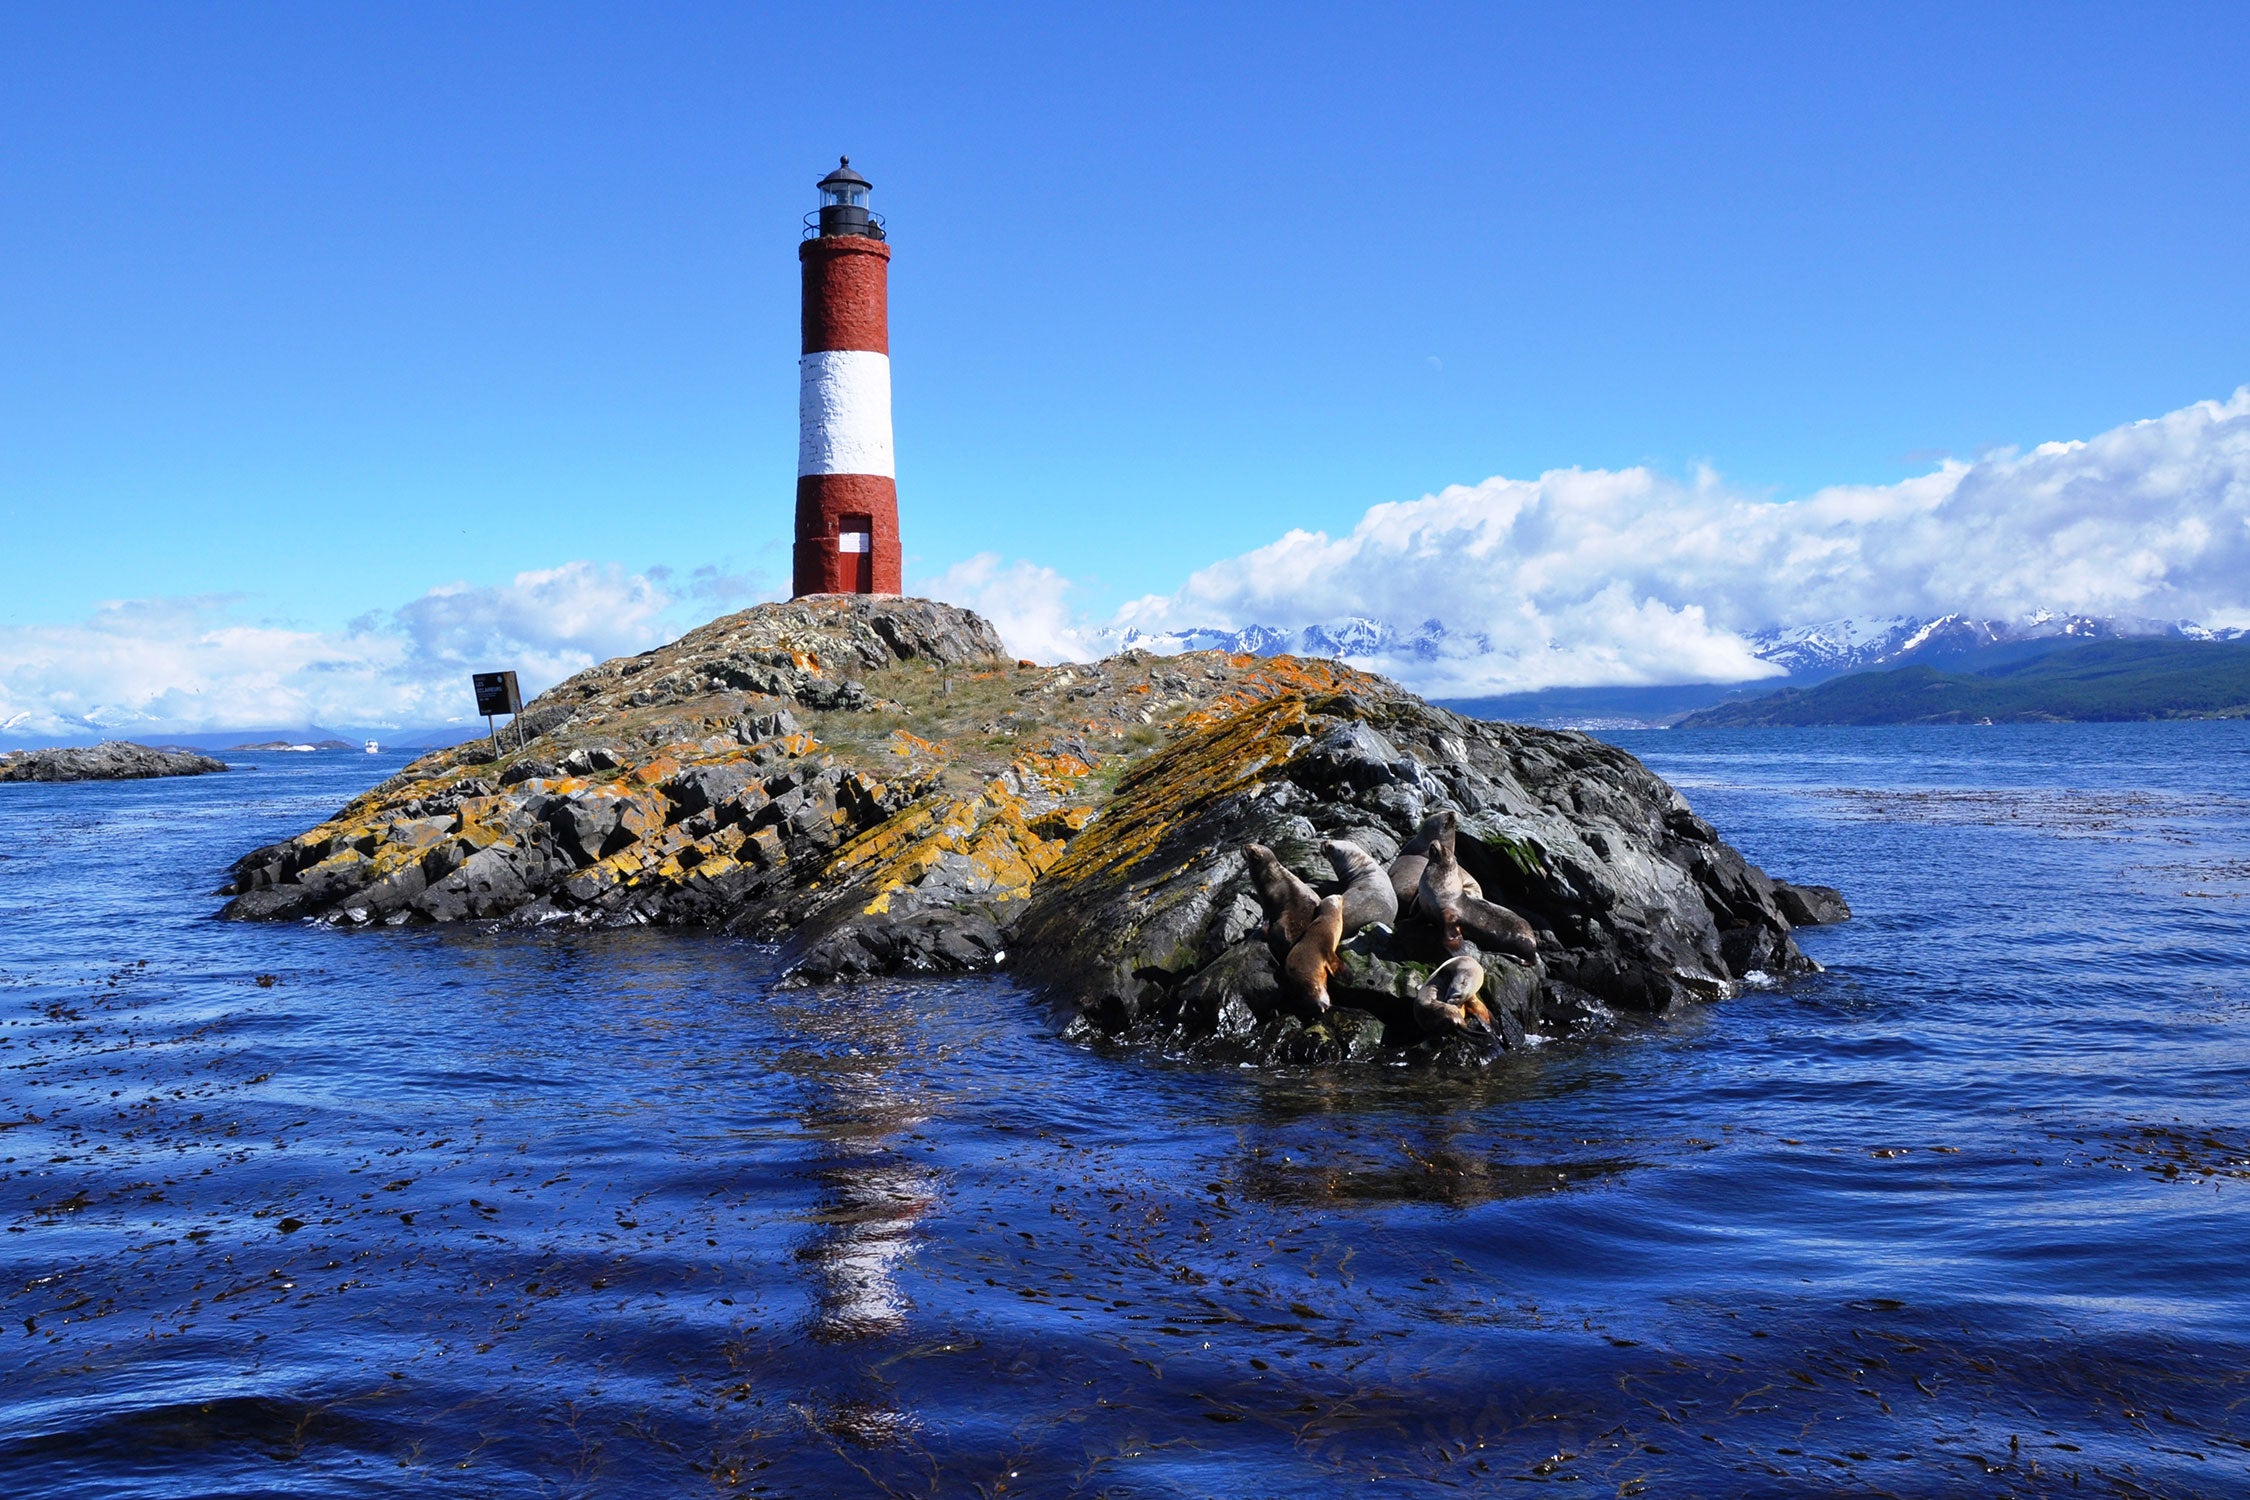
1425 889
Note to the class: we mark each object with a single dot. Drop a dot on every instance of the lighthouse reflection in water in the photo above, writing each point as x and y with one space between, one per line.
872 1193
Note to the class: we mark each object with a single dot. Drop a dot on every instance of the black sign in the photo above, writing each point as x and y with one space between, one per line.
497 693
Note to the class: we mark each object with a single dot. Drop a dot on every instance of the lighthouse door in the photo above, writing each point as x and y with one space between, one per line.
856 535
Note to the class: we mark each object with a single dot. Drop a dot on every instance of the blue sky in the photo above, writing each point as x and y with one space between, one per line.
324 307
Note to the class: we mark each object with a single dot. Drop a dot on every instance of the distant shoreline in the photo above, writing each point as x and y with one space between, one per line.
112 760
2128 681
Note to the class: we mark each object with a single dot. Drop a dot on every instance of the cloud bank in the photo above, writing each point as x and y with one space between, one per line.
1025 602
1578 577
183 665
1596 577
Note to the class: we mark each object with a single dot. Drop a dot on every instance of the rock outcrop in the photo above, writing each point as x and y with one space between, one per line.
874 781
1810 905
1150 919
111 760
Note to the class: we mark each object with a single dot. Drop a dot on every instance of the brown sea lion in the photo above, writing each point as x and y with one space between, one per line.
1414 857
1368 897
1434 827
1441 883
1450 1003
1313 961
1495 928
1282 894
1406 880
1445 897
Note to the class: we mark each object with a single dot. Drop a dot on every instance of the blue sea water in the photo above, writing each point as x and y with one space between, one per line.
290 1211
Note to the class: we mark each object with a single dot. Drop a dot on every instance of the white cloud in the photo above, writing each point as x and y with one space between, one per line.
147 666
547 624
1024 602
1599 577
1576 577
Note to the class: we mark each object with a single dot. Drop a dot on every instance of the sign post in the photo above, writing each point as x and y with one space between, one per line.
497 694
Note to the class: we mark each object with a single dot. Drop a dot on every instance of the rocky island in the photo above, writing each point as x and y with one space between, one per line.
111 760
1235 857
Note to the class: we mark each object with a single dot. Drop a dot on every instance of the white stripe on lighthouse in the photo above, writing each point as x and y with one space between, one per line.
844 413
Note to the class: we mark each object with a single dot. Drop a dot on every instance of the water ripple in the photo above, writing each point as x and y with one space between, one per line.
295 1211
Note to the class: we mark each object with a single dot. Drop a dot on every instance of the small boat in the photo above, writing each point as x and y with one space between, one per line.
373 748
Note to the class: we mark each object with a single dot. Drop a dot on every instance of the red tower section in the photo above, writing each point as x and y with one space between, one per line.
847 493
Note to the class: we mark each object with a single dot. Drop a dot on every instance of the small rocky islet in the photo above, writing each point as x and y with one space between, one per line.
111 760
1234 858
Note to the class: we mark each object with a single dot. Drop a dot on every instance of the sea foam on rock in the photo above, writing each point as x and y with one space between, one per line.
875 782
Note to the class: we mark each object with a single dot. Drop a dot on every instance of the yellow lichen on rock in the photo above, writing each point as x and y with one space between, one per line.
615 803
906 743
1063 823
1216 760
987 843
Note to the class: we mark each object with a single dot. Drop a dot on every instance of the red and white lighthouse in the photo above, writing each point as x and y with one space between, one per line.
847 486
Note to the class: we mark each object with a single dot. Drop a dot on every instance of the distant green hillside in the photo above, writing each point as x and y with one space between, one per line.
2148 679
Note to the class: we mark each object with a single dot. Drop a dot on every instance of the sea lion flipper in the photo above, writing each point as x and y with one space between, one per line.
1448 1003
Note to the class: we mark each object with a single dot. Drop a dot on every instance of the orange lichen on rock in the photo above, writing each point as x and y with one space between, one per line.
991 846
1265 677
684 770
1217 759
1063 823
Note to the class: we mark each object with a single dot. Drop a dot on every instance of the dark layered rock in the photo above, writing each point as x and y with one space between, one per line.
1638 905
873 782
1810 905
111 760
936 941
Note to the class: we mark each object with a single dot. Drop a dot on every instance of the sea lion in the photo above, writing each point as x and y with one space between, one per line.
1406 880
1368 897
1282 894
1444 898
1495 928
1313 961
1414 857
1451 1004
1441 883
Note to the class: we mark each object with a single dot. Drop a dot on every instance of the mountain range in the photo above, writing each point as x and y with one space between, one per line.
255 737
1807 654
2085 680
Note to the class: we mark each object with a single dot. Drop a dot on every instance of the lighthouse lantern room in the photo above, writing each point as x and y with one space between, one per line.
847 491
843 204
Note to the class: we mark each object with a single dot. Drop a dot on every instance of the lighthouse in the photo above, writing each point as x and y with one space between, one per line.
847 488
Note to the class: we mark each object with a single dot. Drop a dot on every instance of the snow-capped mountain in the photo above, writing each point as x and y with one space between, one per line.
1844 645
1256 640
1856 645
1352 638
1807 653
